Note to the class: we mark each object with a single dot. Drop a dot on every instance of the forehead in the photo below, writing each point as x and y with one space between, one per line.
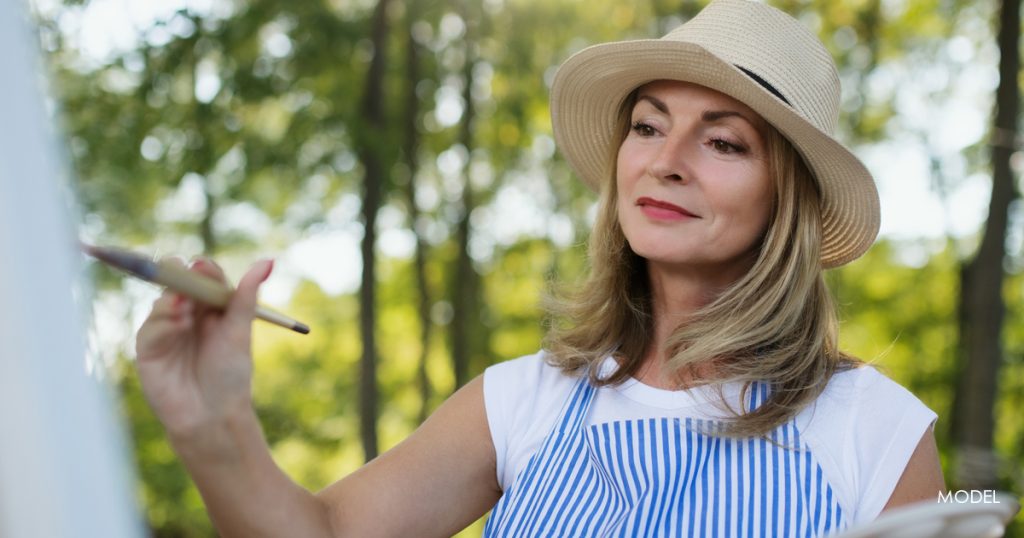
675 91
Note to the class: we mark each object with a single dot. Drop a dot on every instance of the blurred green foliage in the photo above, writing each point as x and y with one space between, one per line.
256 108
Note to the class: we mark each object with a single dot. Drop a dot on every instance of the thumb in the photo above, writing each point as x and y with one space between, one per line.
242 306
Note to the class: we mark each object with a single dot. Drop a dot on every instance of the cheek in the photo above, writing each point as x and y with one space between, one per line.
629 162
621 171
755 210
624 182
746 205
621 213
763 203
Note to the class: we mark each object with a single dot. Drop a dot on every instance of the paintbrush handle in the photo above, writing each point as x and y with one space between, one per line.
214 293
277 318
196 286
175 277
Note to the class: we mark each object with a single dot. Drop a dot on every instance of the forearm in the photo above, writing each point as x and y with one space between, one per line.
245 492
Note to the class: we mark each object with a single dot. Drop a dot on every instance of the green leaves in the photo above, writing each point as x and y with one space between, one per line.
238 133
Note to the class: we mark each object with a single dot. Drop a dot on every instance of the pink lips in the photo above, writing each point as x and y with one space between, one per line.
662 210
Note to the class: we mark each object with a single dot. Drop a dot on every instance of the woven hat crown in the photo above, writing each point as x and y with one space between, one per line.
768 44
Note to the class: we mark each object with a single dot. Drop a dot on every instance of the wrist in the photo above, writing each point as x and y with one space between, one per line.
224 437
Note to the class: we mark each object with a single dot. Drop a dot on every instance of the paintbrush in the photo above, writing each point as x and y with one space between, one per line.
177 278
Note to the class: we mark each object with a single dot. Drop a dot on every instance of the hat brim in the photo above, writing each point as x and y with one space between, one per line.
590 87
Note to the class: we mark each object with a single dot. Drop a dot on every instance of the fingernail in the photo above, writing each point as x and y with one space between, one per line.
268 270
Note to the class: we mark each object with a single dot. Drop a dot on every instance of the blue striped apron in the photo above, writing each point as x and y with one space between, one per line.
664 477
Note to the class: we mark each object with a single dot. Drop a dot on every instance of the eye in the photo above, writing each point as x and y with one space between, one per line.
724 146
643 129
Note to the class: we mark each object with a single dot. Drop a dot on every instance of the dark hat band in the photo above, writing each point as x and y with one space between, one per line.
764 84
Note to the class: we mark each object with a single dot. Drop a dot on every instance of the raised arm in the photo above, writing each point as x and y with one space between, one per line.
196 368
434 483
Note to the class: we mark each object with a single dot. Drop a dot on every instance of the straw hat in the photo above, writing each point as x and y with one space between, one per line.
753 53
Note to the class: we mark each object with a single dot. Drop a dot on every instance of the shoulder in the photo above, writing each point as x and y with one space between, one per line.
863 429
862 386
859 401
522 398
522 377
534 366
529 383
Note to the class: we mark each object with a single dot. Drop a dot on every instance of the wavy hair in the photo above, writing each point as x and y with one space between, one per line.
775 325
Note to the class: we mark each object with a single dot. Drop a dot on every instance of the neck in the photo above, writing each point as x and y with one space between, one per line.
676 294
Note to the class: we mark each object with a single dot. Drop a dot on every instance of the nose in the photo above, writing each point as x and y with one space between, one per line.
670 162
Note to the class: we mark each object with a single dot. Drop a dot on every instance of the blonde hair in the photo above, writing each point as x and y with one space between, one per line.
775 325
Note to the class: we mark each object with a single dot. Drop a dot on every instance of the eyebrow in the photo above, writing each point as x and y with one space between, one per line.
708 116
712 116
655 102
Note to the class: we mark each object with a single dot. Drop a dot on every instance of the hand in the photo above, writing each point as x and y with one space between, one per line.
195 361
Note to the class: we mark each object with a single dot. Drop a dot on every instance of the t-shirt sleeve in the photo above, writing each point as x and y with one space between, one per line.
520 398
863 430
889 423
495 396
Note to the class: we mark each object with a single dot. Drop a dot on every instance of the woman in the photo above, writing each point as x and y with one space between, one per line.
693 388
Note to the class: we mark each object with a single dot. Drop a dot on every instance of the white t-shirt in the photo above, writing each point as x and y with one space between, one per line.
862 429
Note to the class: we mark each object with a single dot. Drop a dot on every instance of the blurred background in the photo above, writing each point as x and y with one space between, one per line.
396 159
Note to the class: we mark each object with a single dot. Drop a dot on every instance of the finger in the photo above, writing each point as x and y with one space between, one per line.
169 307
170 299
242 307
164 303
209 268
168 304
159 334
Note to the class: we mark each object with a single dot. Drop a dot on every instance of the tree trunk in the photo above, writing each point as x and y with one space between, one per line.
204 166
371 155
464 287
981 302
410 145
202 153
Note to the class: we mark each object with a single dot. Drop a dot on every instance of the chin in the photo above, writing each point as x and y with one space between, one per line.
659 254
